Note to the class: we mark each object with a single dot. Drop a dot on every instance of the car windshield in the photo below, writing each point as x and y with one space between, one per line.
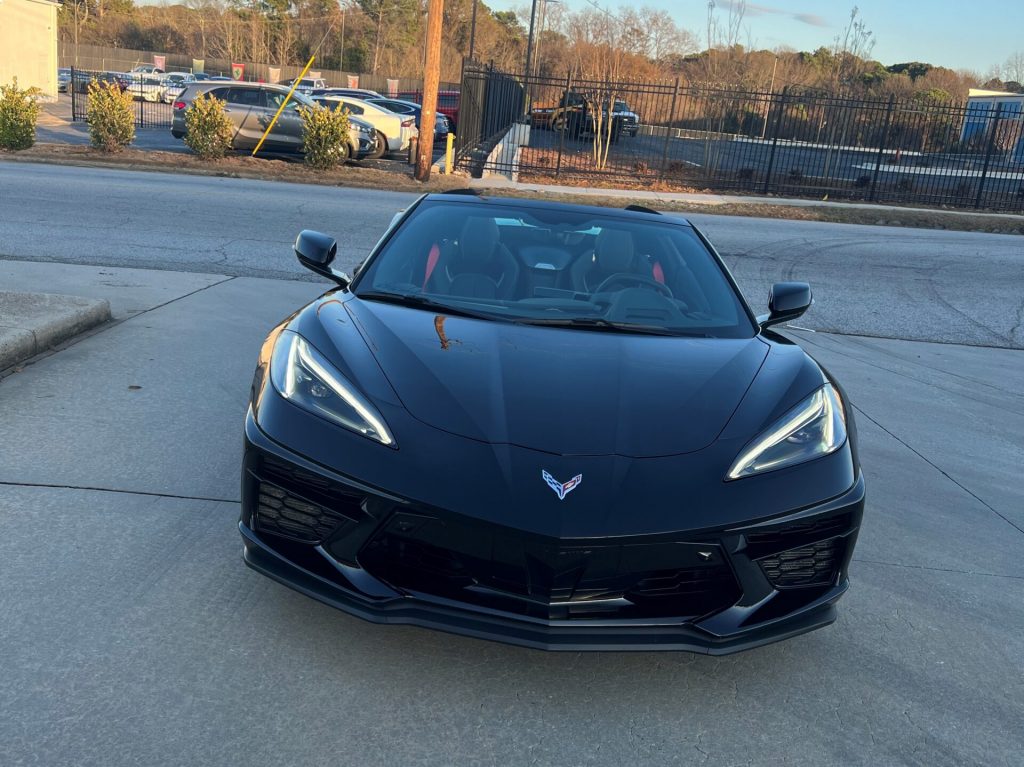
556 266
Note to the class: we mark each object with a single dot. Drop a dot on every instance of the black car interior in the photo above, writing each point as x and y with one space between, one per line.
616 269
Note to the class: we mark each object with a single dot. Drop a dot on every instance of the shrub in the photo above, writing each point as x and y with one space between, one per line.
324 136
905 185
111 117
19 111
640 168
862 181
796 175
208 130
745 174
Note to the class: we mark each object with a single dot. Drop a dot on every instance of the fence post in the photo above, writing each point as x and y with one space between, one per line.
74 103
775 138
988 155
881 147
563 102
668 129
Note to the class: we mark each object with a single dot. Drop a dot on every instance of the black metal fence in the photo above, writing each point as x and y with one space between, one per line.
792 143
150 107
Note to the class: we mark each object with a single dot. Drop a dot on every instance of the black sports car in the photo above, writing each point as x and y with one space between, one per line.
556 426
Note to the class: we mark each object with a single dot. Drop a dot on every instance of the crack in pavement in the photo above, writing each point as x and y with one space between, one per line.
943 472
937 569
107 326
5 483
845 351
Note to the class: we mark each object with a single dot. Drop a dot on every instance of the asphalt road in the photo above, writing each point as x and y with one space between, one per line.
934 178
131 634
955 287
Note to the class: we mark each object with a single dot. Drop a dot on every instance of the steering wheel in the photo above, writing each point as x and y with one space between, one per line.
625 278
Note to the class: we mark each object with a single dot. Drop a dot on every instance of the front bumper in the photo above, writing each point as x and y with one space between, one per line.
387 560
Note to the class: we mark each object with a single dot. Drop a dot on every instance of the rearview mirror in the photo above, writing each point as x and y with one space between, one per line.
786 301
316 251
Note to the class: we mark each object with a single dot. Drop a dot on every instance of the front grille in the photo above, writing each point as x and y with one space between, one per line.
547 578
301 505
813 565
796 534
282 513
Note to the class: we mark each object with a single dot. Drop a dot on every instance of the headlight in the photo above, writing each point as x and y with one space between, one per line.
303 376
815 427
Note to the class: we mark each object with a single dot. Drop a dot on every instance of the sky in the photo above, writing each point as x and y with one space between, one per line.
958 34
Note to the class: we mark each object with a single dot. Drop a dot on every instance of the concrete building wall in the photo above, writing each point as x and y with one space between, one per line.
28 44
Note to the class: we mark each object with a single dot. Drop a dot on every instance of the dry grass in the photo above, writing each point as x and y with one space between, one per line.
393 176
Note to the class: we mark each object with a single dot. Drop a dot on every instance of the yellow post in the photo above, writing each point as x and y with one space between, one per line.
449 151
284 103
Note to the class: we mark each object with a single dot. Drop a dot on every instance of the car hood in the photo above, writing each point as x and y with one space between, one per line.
561 391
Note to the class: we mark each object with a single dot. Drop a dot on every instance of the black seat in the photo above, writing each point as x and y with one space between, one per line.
613 253
478 265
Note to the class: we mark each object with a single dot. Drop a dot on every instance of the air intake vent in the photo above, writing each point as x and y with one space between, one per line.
813 565
285 514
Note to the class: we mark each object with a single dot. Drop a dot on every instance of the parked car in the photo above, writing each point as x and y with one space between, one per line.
252 106
355 93
63 78
630 119
306 85
146 88
146 69
447 104
575 114
399 106
174 84
394 131
552 425
81 80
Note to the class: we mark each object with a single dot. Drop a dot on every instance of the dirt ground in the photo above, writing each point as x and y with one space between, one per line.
392 175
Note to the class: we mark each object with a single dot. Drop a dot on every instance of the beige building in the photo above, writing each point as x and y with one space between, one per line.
28 44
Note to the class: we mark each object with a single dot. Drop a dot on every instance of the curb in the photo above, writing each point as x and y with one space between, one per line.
32 323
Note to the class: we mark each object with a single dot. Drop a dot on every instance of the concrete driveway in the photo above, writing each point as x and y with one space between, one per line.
132 633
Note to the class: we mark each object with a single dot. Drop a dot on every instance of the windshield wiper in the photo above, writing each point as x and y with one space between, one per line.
598 323
422 302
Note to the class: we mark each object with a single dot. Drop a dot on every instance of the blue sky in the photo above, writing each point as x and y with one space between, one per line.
959 34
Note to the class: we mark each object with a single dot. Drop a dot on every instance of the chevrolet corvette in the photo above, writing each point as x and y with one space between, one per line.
555 426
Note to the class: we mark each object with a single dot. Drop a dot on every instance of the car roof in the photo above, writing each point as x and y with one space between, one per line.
636 213
396 101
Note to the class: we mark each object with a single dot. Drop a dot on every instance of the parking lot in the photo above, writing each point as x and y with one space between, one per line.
133 634
56 127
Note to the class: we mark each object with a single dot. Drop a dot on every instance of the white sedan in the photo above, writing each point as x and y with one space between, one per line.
394 131
146 88
174 84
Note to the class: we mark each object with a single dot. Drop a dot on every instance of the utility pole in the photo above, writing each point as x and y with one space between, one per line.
472 30
431 77
529 39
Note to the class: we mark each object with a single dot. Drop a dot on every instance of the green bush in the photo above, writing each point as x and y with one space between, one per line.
111 117
19 111
324 136
208 130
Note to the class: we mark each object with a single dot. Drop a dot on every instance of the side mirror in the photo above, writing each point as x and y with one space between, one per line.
786 301
316 251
